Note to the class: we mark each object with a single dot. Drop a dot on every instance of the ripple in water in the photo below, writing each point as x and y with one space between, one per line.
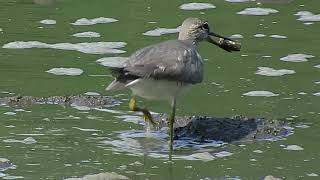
28 140
155 144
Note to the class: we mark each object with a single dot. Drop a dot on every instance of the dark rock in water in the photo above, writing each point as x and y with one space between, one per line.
77 100
202 128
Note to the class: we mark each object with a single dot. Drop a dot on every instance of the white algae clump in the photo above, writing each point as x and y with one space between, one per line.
197 6
296 57
86 47
87 35
260 93
48 22
293 148
266 71
257 11
100 20
161 31
112 61
66 71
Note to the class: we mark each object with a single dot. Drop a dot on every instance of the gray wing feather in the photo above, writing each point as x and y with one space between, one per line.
172 60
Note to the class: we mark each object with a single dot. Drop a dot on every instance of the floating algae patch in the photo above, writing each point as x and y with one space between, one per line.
161 31
296 57
86 47
88 34
28 140
257 11
65 71
197 6
278 36
99 20
48 21
307 16
259 35
267 71
260 94
112 61
236 36
293 148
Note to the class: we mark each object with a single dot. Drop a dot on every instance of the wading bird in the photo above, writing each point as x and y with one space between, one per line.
162 71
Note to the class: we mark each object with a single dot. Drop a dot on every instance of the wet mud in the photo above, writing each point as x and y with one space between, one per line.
198 128
72 100
228 129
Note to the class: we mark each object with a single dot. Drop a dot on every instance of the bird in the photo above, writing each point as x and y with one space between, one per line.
163 71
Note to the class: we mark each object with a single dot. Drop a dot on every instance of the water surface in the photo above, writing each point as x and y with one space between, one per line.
56 142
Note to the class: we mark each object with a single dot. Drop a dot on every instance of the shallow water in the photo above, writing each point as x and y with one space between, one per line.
57 142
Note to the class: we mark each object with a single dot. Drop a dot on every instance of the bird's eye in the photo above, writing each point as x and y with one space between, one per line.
205 26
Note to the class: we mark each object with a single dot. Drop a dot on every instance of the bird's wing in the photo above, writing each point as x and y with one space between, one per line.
171 60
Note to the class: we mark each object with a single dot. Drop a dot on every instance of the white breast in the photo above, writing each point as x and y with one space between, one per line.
157 89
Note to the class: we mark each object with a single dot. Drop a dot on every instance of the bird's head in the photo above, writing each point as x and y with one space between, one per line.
198 30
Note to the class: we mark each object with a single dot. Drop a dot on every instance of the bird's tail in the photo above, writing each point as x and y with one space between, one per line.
115 85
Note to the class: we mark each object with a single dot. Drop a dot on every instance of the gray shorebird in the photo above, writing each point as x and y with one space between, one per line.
162 71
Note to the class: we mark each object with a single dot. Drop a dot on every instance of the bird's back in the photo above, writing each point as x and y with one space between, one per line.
174 60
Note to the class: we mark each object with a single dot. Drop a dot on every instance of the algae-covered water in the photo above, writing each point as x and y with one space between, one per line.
276 76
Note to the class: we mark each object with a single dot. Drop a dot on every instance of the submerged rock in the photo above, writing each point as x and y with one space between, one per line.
235 129
74 100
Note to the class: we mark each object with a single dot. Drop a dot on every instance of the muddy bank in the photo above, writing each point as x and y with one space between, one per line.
198 128
233 129
72 100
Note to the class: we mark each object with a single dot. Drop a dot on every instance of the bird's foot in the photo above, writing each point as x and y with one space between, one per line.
148 117
146 114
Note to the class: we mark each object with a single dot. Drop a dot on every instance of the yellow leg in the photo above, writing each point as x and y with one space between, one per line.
146 114
171 122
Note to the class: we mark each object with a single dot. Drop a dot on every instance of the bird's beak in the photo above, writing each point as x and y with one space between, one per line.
224 42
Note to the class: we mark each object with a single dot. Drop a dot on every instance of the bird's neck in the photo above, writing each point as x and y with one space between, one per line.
187 37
